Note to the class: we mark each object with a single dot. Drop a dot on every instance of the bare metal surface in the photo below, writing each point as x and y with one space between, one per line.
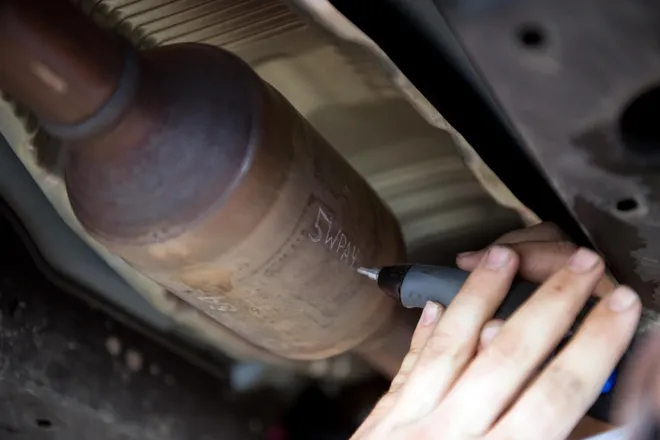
335 81
564 73
233 25
269 251
340 88
324 14
210 183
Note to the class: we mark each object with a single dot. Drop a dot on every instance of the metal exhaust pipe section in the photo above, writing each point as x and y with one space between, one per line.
182 161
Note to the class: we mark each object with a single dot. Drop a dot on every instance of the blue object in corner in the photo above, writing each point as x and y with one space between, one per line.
609 384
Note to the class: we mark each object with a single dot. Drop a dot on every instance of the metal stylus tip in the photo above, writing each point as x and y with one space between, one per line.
372 274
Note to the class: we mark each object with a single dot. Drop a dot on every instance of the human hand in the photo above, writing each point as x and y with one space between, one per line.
542 250
463 380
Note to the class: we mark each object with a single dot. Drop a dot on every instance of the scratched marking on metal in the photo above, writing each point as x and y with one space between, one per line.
350 252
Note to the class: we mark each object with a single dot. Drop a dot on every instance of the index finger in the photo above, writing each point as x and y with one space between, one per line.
546 231
538 260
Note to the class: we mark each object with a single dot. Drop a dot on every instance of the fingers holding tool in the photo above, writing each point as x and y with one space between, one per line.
455 338
469 377
524 342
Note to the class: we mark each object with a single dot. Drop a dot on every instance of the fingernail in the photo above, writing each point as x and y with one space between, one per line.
583 260
489 332
466 254
622 299
430 313
497 257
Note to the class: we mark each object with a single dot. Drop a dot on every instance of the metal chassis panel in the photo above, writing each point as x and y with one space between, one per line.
564 74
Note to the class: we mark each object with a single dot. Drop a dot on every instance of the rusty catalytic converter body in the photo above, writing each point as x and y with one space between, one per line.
185 163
